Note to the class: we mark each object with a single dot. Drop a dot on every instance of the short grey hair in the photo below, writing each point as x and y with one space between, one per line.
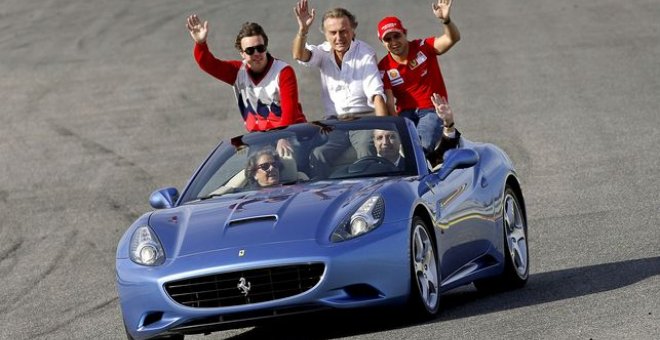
339 13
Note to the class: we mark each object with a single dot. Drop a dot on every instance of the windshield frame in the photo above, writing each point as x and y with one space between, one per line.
229 147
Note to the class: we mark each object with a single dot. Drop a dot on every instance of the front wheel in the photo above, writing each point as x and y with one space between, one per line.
425 290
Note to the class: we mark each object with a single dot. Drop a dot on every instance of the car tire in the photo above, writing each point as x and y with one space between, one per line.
425 276
516 250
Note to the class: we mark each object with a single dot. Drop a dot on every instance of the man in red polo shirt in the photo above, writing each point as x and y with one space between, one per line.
411 72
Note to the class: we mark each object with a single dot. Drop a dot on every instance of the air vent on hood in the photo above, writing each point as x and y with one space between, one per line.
251 219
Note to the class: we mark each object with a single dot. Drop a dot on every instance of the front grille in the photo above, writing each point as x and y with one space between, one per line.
245 287
243 319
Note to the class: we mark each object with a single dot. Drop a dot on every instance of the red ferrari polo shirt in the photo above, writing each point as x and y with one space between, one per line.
414 83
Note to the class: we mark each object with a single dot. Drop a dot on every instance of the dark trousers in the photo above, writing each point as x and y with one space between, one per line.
326 155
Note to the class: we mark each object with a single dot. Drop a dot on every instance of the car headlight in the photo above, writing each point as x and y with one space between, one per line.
145 247
365 219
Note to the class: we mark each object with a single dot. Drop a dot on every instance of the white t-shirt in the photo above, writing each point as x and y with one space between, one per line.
351 88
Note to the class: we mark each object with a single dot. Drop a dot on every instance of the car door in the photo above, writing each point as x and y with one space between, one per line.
462 220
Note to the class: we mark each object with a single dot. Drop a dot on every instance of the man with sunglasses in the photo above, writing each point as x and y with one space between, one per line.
266 88
411 72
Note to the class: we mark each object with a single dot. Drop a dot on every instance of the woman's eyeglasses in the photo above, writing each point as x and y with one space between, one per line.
267 166
259 48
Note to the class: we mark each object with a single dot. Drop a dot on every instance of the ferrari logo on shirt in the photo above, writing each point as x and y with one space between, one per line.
395 77
419 59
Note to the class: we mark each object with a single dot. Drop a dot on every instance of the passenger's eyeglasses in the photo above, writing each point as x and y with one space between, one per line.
259 48
267 166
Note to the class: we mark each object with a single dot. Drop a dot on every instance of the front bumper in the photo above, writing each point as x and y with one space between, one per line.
370 270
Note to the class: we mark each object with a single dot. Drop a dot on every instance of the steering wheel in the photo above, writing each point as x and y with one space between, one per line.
363 163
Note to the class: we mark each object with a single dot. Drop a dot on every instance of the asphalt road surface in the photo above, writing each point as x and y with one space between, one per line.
102 103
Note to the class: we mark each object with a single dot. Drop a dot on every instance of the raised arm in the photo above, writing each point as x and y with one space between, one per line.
450 136
220 69
443 110
305 19
451 35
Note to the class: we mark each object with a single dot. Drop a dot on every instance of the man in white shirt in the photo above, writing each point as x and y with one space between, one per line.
350 80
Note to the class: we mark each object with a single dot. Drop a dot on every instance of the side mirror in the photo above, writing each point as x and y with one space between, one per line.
457 159
164 198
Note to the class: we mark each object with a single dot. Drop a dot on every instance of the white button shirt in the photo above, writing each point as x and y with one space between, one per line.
349 89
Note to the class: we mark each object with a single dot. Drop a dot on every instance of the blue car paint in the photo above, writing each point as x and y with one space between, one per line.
206 237
346 265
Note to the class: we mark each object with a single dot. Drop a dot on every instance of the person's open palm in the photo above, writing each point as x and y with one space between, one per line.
304 15
198 30
443 109
441 9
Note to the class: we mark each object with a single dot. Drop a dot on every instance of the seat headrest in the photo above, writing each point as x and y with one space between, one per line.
289 169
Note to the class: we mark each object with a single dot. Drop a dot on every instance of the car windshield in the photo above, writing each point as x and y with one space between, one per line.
318 151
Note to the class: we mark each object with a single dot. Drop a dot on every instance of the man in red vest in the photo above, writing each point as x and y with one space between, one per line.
266 88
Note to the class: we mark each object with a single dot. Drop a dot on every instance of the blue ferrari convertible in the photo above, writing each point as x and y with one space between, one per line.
303 218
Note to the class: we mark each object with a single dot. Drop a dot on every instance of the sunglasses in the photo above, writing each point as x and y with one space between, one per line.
267 166
259 48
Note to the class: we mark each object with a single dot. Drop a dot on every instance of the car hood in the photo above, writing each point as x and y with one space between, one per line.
274 215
